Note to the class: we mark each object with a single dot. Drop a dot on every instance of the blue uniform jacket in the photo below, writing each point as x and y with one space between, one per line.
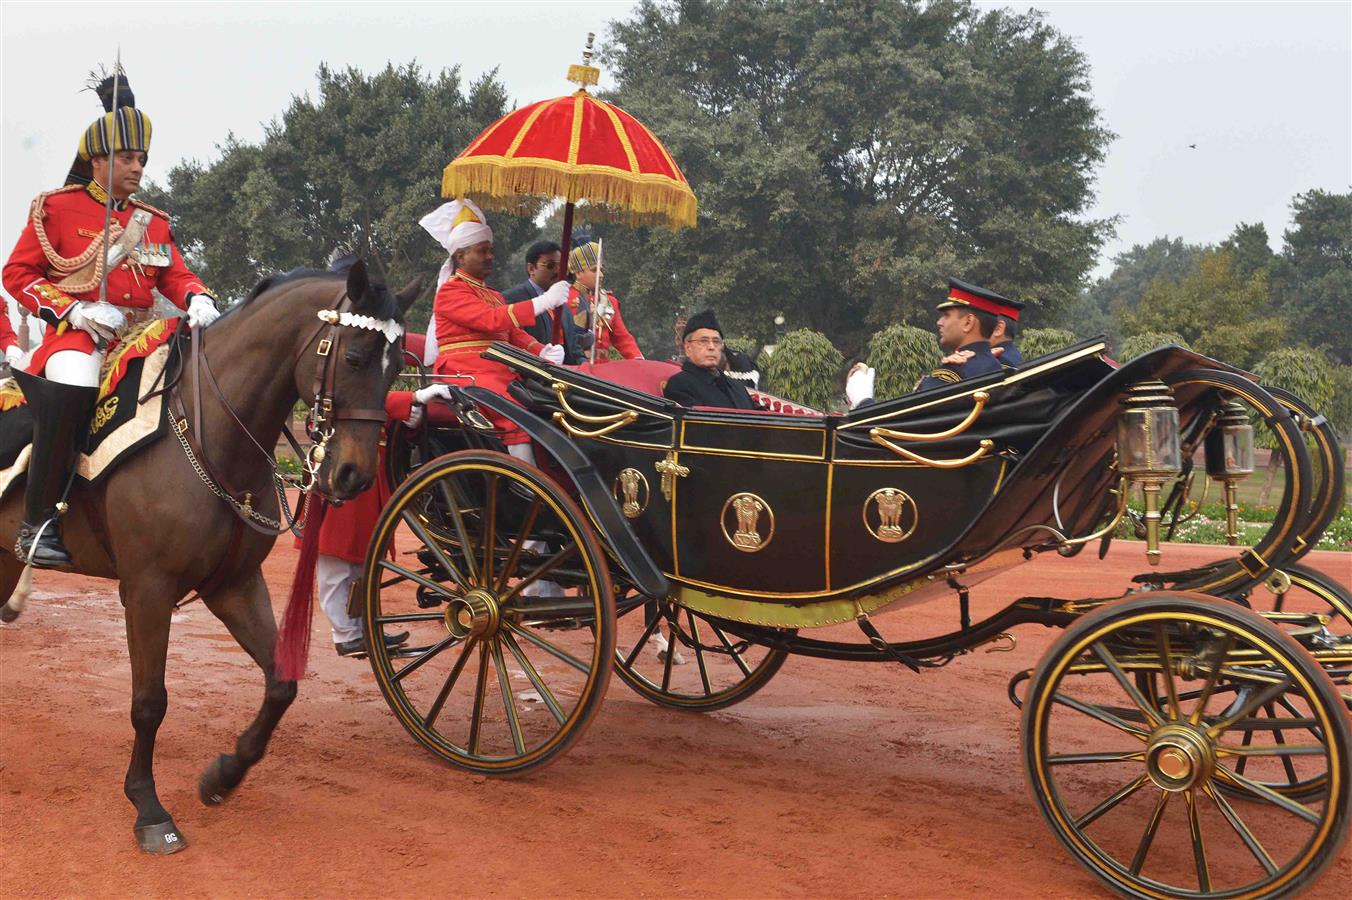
982 362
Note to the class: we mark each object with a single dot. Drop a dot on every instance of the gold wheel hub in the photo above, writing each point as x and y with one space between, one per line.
474 615
1179 757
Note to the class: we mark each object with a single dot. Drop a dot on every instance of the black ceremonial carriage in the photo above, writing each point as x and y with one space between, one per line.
1201 716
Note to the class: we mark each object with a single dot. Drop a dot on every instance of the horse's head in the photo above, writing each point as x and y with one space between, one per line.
345 372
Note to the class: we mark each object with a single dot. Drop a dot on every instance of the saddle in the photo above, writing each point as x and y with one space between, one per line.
130 413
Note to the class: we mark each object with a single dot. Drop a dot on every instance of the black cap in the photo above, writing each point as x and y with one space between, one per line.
705 319
963 293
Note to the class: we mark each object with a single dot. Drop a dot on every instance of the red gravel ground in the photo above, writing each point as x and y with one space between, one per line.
836 780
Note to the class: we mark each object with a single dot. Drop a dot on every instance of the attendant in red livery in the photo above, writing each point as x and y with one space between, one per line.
603 317
56 270
468 315
9 341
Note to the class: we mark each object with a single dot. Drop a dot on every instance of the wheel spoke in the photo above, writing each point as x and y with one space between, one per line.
671 654
540 687
1148 837
643 640
1263 792
435 546
490 535
1122 793
445 692
550 648
1280 738
476 717
732 651
527 526
1262 698
414 576
1198 845
548 566
421 659
1111 756
1212 680
1147 709
1102 715
1241 829
460 531
508 699
699 653
409 617
1167 665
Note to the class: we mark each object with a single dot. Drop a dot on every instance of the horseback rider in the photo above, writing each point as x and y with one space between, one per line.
56 271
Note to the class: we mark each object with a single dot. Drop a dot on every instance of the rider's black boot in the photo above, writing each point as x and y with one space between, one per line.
61 414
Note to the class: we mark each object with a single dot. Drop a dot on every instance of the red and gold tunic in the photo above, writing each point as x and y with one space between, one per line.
611 333
8 338
470 316
58 260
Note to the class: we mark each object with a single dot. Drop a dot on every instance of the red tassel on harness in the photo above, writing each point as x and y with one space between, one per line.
293 638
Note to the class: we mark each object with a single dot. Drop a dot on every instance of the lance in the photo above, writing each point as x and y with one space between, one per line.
598 298
108 188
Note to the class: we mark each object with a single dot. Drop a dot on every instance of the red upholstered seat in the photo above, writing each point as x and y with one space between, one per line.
646 375
414 344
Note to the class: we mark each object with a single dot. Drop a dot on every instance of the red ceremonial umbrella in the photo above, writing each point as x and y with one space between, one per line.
578 148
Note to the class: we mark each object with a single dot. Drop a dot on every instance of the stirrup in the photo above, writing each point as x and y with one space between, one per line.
42 547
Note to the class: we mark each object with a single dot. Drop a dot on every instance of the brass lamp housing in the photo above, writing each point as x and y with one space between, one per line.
1229 459
1148 451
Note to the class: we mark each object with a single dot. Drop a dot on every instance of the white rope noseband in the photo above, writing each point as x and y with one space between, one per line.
388 327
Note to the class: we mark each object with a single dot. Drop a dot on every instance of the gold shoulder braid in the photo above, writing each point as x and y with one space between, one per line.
123 246
64 265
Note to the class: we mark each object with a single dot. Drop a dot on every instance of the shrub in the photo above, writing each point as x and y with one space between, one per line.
1146 341
804 368
1041 341
902 355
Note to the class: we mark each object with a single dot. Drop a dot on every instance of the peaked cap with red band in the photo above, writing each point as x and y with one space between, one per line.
960 293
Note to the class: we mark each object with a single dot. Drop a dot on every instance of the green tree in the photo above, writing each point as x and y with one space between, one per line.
1303 371
849 156
1249 248
1101 306
1146 341
1313 282
804 368
1041 341
1217 312
356 167
1339 409
901 356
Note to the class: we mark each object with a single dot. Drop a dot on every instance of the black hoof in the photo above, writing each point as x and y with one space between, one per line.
161 839
8 615
211 789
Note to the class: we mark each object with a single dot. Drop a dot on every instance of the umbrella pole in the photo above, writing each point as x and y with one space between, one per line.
564 245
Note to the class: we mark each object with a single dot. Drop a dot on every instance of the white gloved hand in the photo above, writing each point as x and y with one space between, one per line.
431 392
202 311
859 386
101 321
415 417
552 353
15 357
556 296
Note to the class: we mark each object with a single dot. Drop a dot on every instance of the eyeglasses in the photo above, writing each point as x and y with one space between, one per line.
706 342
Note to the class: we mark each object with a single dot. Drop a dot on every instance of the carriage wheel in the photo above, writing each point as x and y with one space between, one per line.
1143 798
494 678
1301 589
710 669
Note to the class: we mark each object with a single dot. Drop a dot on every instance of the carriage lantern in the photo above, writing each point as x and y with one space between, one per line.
1148 450
1229 459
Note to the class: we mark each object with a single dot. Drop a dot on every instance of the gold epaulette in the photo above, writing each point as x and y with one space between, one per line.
151 209
947 375
40 199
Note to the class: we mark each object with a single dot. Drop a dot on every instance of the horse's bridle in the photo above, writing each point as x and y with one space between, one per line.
327 339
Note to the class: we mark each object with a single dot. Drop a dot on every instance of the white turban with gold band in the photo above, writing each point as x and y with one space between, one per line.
455 226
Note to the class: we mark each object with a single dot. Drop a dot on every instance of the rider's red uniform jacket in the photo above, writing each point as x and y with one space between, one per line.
48 269
610 332
470 316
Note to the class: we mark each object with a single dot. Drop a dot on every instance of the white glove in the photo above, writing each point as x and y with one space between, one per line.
859 386
202 311
431 392
552 353
415 417
15 357
556 296
101 321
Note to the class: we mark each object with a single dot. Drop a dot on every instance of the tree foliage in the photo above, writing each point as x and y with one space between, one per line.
1303 371
355 167
1146 341
901 356
850 156
1313 282
1041 341
1104 304
1339 409
804 368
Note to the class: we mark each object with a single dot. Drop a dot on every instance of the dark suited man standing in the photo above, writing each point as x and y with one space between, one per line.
542 271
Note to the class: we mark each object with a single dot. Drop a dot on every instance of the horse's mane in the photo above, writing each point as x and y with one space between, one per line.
387 306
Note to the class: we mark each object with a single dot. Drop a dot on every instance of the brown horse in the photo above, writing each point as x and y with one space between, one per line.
157 527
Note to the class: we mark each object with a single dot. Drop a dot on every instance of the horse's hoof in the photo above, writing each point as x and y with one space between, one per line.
161 839
211 789
8 615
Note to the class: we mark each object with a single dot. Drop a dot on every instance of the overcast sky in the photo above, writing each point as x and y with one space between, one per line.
1263 89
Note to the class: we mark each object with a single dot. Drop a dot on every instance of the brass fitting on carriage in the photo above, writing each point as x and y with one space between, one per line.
1148 452
1229 459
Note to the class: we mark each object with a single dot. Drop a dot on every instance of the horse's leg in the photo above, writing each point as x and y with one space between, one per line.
149 605
246 611
10 570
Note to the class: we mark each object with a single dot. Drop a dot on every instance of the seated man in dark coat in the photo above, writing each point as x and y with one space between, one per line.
700 381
